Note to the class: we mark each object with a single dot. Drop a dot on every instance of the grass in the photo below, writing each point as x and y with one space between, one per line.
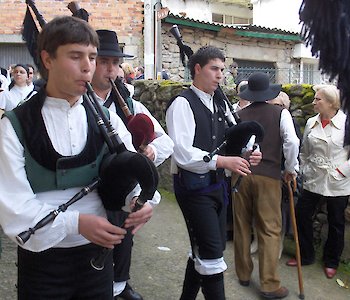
165 193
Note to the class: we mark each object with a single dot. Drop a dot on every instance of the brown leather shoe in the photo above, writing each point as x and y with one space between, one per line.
292 262
278 294
330 272
244 282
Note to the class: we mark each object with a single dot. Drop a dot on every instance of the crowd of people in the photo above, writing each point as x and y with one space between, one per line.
51 149
16 85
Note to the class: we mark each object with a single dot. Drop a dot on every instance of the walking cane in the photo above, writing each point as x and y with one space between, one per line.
296 239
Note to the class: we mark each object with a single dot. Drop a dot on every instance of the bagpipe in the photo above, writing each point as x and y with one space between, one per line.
238 135
120 171
140 125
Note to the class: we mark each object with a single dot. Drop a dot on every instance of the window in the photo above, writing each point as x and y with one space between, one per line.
238 20
308 73
228 19
218 18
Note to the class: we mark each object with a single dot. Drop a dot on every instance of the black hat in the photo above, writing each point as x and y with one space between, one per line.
259 88
109 45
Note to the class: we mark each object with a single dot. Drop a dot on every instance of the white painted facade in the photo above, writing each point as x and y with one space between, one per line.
281 14
202 10
284 14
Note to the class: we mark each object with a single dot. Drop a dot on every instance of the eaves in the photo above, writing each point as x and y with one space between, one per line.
251 31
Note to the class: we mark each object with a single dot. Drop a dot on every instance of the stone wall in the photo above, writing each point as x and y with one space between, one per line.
235 47
156 94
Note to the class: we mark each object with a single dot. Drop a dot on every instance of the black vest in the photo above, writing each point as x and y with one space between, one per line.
210 127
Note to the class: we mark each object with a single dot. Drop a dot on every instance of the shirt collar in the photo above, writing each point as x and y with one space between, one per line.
104 100
336 121
203 96
61 103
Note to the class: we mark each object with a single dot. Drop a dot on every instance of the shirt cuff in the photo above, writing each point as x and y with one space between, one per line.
71 222
155 200
154 151
212 162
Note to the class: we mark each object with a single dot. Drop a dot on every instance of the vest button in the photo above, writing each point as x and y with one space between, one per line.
220 119
214 137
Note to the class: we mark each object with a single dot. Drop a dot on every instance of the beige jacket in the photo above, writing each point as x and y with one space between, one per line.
322 152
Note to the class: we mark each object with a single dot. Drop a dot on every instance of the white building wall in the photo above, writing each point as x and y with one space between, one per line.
202 10
281 14
195 9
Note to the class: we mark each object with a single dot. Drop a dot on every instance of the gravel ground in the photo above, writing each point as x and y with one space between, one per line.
157 272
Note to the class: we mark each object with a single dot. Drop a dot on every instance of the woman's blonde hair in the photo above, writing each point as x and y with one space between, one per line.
330 93
127 68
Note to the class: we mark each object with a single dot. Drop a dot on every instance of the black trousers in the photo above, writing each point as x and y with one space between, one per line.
121 252
334 245
205 217
204 212
63 274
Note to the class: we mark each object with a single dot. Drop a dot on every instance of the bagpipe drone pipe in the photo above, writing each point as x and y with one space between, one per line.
326 28
140 125
120 171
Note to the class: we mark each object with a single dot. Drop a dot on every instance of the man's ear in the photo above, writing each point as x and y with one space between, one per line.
197 68
46 59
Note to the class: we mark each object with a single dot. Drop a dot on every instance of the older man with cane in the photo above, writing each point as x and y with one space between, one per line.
259 194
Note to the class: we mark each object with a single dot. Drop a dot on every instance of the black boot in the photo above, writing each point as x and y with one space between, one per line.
192 282
213 286
129 294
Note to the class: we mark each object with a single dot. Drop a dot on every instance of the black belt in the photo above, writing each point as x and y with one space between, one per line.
215 175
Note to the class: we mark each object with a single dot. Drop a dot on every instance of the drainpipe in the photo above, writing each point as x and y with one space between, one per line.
158 39
148 35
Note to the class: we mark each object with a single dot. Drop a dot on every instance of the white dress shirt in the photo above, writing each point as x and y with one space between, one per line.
20 208
181 128
322 152
162 145
290 146
12 98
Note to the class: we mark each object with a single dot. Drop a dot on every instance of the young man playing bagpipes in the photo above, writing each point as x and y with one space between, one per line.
50 147
197 126
155 143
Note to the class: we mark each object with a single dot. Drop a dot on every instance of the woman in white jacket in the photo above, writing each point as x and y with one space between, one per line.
325 168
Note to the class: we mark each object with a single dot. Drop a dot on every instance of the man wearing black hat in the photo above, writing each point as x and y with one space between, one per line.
259 194
159 149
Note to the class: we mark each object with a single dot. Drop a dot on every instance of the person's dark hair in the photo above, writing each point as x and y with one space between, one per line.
141 69
233 65
31 66
62 31
202 57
